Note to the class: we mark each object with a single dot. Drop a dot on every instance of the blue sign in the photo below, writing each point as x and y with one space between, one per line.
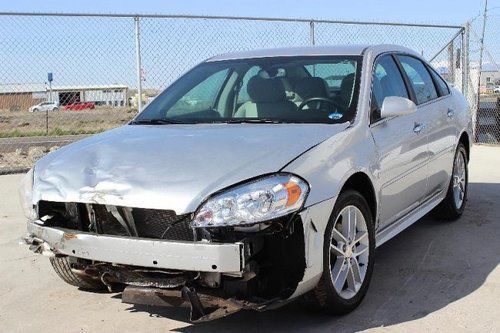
50 77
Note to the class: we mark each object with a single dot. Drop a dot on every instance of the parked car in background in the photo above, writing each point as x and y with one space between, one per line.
45 106
496 90
252 197
80 106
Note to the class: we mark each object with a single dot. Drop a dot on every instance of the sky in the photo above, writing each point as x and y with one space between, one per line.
95 50
415 11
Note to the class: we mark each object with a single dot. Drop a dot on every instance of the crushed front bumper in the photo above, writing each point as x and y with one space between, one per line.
177 255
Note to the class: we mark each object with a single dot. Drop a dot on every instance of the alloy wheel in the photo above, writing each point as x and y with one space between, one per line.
349 252
459 181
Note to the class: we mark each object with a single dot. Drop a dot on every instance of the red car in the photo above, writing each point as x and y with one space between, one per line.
80 106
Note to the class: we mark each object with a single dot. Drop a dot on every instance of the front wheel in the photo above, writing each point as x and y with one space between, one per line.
348 256
63 268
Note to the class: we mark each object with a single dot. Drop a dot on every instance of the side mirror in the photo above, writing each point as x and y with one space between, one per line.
397 106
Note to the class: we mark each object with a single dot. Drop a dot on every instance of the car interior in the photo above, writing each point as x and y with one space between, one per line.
288 91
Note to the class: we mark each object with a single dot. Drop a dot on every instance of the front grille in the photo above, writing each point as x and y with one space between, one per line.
149 223
164 224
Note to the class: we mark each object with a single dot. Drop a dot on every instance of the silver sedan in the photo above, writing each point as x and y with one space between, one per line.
256 178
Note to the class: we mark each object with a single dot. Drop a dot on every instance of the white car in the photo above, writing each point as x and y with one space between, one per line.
254 197
44 106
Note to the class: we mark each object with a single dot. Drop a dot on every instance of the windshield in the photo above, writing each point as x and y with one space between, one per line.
285 89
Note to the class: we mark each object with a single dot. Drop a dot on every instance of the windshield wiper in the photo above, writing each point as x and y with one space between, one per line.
252 121
155 122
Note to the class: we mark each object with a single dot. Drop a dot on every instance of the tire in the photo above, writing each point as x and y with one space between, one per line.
62 267
55 109
326 296
451 209
35 110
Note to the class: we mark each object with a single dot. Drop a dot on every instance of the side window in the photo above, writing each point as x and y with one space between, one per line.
442 86
420 79
387 81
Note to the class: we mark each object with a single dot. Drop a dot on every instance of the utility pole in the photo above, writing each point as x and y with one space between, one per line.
481 50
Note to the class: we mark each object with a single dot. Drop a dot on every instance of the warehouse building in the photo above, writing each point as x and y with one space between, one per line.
15 96
20 96
106 95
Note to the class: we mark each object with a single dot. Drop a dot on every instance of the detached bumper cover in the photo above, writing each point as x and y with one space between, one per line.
190 256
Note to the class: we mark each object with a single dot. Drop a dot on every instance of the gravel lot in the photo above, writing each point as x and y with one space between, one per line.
435 276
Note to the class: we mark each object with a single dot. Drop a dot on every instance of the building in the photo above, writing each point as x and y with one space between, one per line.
490 75
106 95
21 96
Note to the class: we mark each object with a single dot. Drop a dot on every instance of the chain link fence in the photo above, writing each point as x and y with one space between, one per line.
484 54
104 68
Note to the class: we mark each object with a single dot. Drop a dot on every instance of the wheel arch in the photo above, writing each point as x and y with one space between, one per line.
465 140
362 183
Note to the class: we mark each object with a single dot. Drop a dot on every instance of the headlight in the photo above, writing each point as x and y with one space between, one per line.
253 202
26 193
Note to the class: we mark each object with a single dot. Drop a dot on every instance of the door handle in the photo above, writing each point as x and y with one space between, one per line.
450 113
418 127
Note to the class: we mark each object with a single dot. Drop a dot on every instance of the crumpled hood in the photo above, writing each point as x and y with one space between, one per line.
170 166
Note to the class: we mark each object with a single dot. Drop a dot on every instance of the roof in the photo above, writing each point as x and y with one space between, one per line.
490 67
311 51
16 88
89 87
294 51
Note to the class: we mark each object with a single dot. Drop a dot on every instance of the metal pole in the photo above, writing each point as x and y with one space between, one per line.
241 18
481 50
47 111
312 41
465 60
138 62
312 33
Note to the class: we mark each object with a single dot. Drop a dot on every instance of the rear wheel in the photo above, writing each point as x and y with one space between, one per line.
349 245
63 267
453 205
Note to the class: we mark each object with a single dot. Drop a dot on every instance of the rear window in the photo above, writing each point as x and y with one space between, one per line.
420 79
440 82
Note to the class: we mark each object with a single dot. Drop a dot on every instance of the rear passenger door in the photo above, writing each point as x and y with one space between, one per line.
401 145
432 98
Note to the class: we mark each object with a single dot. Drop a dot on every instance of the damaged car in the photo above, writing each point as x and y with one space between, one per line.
254 179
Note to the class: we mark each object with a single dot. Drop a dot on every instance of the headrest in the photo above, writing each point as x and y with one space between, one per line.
263 90
311 87
346 88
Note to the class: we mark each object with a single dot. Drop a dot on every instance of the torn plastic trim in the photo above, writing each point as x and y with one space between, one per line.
204 307
199 256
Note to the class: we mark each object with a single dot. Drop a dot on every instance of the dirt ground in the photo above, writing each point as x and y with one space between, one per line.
23 123
23 137
434 277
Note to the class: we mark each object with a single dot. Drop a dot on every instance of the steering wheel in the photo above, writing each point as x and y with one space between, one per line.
320 99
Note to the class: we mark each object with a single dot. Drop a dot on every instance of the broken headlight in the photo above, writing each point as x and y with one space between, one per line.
26 194
257 201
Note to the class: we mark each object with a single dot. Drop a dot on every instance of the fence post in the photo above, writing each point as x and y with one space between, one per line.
138 62
312 33
467 92
465 60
